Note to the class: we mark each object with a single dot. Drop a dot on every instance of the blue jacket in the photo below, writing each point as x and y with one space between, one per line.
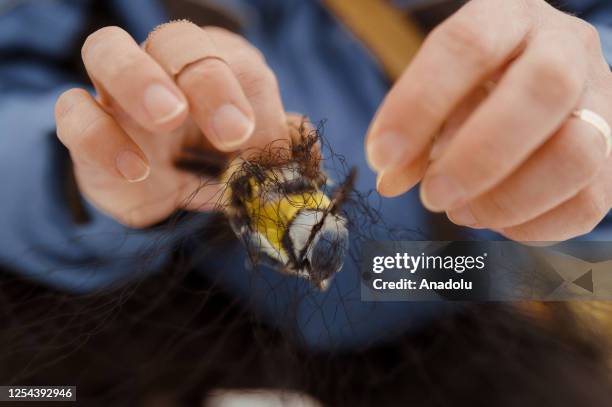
323 72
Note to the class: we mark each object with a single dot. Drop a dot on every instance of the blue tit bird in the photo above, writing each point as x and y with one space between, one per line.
285 218
276 206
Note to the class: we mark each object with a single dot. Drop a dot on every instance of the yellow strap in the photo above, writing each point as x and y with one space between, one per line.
388 33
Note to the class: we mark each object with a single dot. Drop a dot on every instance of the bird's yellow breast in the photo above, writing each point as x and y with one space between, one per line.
271 213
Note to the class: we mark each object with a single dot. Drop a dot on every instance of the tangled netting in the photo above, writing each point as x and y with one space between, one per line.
175 335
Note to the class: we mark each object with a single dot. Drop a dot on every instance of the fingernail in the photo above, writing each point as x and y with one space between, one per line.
440 192
383 187
463 216
388 186
232 128
132 167
386 150
162 104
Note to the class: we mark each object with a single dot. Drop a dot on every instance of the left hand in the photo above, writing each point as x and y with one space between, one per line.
511 158
193 87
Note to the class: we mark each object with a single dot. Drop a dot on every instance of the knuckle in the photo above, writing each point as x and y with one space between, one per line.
522 10
257 79
238 44
89 135
212 67
590 33
166 29
123 66
493 158
587 32
463 39
431 105
245 56
498 209
552 81
170 25
220 31
266 76
67 101
537 7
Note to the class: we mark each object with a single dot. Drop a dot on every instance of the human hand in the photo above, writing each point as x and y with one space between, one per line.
482 117
186 87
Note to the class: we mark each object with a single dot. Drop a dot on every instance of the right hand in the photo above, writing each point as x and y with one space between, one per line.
187 87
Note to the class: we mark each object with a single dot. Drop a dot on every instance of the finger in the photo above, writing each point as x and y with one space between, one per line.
456 120
565 165
396 181
124 74
207 196
217 102
575 217
259 85
528 105
474 42
95 141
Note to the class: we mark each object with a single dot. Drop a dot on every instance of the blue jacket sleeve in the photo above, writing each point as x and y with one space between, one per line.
40 239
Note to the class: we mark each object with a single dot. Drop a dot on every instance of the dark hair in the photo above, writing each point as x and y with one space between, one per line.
176 336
